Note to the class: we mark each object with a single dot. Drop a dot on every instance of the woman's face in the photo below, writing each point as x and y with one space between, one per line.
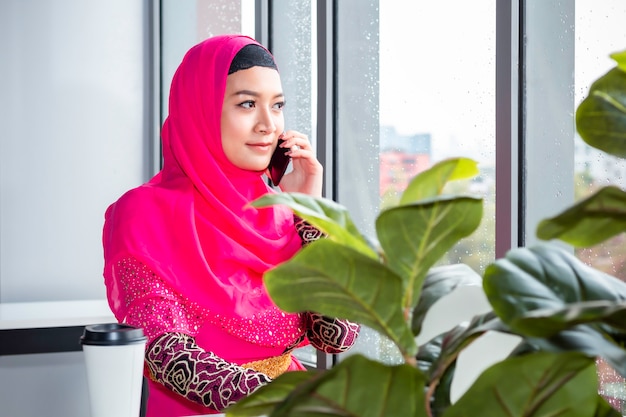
252 117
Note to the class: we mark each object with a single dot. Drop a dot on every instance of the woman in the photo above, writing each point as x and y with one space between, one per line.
185 253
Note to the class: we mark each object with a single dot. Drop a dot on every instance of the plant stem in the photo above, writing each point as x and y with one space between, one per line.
434 382
410 360
407 315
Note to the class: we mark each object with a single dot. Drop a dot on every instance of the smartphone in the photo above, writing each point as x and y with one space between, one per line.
278 164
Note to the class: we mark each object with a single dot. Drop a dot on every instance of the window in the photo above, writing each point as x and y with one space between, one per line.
415 85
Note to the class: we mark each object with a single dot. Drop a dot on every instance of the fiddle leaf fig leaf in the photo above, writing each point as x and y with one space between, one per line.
269 396
430 183
588 340
545 384
620 58
604 409
530 288
440 281
389 391
589 222
336 281
546 322
414 237
340 392
437 358
331 218
544 277
435 355
601 116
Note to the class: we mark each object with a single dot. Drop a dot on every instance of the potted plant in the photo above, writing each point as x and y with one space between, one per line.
566 313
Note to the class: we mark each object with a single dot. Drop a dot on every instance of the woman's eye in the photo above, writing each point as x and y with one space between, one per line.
279 105
248 104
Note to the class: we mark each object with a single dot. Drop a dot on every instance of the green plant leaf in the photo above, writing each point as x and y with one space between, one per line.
620 58
414 237
546 322
587 340
535 385
547 278
440 399
544 277
340 391
437 358
389 391
589 222
430 183
604 409
328 216
435 355
336 281
440 281
265 399
601 116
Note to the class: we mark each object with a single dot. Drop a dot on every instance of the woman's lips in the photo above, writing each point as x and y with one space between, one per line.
263 147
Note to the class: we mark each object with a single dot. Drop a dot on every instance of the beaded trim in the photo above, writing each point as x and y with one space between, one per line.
155 307
272 367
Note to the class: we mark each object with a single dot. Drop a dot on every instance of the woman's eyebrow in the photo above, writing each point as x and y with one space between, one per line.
254 93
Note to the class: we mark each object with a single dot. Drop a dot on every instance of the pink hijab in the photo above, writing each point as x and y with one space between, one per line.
190 223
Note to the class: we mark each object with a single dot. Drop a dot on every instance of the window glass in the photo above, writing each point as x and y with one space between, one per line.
185 23
294 46
415 85
594 169
546 117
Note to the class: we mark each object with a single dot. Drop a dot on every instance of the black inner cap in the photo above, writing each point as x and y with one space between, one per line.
252 55
111 334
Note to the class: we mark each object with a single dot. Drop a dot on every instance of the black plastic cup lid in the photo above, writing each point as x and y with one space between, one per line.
111 334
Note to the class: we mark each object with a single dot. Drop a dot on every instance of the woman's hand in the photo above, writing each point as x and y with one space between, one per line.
307 174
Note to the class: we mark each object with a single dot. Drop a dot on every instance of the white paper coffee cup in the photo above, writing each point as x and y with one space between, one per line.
114 358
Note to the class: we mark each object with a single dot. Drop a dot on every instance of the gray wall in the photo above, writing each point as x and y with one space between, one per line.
50 385
73 110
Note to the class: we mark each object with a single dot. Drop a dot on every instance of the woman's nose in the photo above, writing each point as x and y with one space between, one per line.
266 122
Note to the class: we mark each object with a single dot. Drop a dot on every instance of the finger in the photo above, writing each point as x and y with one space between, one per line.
294 145
292 138
295 151
299 143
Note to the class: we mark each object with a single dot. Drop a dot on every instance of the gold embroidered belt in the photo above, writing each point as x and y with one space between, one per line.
272 367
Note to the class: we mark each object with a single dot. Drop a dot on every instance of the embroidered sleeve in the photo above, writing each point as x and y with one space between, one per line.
331 335
177 362
324 333
152 305
308 233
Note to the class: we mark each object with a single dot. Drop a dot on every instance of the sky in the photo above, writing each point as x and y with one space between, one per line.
437 67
